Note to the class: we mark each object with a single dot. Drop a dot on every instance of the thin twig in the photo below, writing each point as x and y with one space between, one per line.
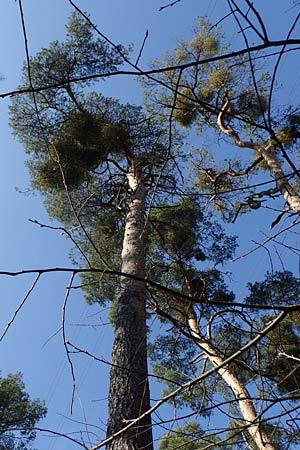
20 306
169 5
142 48
104 361
63 321
64 230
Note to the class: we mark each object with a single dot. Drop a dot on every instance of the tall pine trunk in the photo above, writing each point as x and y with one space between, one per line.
129 389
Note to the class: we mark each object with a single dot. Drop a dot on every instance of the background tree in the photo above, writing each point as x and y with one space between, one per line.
18 414
189 436
230 98
259 380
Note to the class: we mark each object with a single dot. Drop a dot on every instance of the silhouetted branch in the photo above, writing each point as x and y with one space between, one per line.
159 287
149 73
20 306
169 5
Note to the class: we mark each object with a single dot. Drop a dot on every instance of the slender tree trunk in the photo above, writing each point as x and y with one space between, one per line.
246 406
129 390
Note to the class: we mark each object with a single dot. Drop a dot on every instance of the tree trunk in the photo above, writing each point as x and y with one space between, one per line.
246 406
129 389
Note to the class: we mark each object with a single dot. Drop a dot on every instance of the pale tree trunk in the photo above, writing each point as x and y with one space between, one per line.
270 157
129 390
245 403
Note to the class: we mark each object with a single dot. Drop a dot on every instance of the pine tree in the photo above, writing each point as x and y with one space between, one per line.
228 98
94 160
18 414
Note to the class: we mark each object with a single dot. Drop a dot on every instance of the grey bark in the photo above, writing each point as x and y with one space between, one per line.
129 389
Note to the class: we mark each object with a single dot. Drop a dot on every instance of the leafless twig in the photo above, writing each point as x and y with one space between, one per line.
20 306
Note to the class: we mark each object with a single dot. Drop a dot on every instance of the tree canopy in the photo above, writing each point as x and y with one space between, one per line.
230 98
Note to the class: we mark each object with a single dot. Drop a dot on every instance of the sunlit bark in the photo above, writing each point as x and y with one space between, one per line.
129 389
245 403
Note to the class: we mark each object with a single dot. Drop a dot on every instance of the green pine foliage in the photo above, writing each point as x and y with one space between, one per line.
235 440
185 233
193 96
199 93
280 354
189 437
81 145
270 370
18 414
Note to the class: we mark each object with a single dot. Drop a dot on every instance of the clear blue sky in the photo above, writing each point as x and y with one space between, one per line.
30 345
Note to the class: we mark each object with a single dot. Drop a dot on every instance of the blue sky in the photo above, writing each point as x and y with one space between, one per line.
32 344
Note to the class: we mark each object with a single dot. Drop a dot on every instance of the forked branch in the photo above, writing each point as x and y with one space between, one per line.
268 152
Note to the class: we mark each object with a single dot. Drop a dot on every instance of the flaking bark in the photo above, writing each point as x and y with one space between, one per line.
251 419
129 389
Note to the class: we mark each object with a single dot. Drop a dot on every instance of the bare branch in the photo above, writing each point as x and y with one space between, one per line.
65 339
20 306
169 4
